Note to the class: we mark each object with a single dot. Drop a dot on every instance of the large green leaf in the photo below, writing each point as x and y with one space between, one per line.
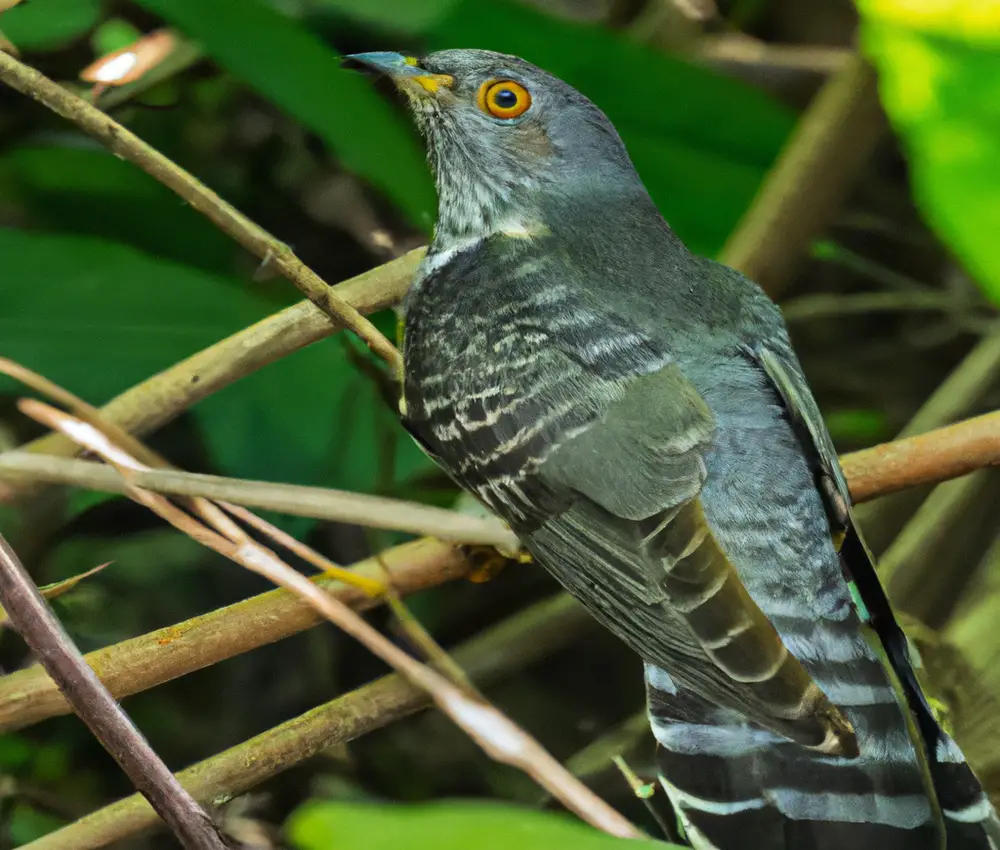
87 190
402 16
98 317
291 67
939 79
48 24
446 826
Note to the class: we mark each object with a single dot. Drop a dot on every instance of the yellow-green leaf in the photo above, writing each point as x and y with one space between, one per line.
446 826
939 79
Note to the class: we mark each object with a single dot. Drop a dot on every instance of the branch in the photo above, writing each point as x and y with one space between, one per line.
961 392
97 708
226 217
925 459
315 502
29 696
931 458
813 175
517 642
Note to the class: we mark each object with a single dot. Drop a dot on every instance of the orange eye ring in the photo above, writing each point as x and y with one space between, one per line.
504 99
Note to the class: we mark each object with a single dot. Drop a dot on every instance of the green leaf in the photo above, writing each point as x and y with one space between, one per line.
291 67
701 142
87 190
48 24
113 35
403 16
98 317
26 823
939 80
445 826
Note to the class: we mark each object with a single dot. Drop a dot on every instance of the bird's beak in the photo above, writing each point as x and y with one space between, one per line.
405 72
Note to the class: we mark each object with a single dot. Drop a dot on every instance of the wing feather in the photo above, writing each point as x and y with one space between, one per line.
637 547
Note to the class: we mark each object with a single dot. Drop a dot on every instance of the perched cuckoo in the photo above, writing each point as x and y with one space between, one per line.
637 415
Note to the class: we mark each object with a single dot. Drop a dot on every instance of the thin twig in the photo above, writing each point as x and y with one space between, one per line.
227 218
33 618
514 644
813 175
315 502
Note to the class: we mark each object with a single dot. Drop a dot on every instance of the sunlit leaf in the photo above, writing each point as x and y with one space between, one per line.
48 24
939 79
132 62
446 826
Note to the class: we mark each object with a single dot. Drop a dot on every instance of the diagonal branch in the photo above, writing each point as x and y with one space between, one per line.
501 738
42 632
28 696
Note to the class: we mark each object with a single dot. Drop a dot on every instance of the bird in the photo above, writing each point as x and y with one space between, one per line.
638 417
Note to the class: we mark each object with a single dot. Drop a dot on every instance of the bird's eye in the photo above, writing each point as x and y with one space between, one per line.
504 98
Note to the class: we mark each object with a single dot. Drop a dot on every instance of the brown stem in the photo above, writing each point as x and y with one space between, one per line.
510 646
28 696
44 634
925 459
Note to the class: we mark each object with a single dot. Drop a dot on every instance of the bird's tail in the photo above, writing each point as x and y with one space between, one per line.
735 786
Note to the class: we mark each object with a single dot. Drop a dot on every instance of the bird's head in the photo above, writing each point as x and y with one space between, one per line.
509 144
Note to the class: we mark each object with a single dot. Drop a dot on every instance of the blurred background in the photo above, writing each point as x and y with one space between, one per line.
108 278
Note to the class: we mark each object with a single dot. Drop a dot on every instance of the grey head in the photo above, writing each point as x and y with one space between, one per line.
509 144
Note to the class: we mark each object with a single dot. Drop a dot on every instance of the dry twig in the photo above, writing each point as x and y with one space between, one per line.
29 696
97 708
315 502
928 458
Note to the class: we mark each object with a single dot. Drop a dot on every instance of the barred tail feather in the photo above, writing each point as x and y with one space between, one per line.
737 786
